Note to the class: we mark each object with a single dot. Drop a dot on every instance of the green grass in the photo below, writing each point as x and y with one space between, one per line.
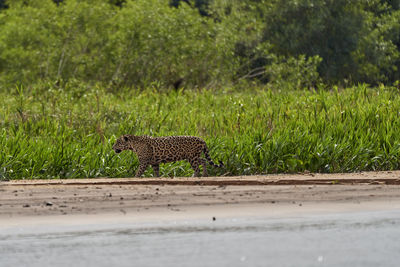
48 132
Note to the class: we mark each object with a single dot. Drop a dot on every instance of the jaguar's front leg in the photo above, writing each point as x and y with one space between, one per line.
141 170
156 169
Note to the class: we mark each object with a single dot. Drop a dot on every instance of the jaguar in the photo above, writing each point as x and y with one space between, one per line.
155 150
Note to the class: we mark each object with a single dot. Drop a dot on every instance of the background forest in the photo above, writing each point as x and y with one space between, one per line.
202 43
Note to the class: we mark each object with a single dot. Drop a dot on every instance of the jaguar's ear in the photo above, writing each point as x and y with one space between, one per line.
126 139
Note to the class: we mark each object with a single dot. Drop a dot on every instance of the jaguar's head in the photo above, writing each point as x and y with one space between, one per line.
122 143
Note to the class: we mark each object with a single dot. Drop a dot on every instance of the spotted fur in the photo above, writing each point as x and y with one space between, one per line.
155 150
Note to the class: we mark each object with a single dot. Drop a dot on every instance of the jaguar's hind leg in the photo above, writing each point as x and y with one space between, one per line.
195 163
203 162
195 167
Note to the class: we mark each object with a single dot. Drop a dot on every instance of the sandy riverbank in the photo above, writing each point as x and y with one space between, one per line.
154 199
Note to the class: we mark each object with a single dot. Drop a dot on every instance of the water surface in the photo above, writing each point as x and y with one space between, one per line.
342 239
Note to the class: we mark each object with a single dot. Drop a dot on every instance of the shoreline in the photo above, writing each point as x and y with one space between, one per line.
378 177
109 200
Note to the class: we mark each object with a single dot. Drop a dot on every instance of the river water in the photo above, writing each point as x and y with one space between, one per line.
341 239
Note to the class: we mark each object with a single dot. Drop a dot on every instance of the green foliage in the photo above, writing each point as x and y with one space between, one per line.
198 43
300 72
68 131
377 55
357 41
154 42
68 70
142 43
49 42
329 29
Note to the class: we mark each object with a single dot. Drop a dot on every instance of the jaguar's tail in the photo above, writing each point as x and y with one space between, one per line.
220 165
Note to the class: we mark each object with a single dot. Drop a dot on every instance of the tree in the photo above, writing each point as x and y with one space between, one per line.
330 29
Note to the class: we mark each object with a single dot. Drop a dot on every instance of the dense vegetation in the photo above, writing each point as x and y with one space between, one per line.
271 85
203 43
69 132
